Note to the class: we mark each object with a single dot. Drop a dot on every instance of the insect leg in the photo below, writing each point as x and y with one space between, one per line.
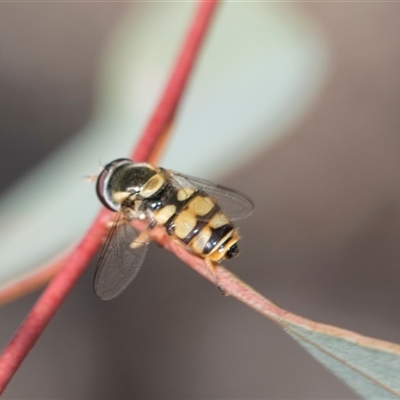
142 240
212 268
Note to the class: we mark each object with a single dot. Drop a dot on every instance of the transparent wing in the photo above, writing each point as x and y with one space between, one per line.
235 205
118 263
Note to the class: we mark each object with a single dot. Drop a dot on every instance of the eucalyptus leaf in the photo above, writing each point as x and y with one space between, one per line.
369 366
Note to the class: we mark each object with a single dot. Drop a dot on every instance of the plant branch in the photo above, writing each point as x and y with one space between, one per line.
236 288
162 119
55 293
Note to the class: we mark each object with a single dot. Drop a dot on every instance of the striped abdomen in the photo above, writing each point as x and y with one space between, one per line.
195 219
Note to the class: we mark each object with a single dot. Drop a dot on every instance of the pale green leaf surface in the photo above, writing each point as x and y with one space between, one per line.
373 371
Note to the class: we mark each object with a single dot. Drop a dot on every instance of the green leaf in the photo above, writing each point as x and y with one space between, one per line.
371 367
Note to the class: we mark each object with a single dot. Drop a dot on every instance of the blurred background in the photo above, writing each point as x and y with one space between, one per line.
323 242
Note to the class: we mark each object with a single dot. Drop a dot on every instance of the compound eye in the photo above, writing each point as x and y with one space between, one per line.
102 189
103 183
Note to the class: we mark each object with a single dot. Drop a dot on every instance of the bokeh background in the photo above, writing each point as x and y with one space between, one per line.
323 242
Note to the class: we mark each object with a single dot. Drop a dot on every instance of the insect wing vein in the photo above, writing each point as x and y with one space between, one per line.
118 263
235 204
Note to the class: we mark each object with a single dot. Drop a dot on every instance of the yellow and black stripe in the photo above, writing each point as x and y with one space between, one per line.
191 216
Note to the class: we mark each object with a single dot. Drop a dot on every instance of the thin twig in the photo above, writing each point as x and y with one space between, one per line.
169 102
236 288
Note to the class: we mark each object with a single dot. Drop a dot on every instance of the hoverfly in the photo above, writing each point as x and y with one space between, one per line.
193 211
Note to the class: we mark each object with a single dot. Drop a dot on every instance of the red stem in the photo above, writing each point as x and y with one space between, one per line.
55 293
169 102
